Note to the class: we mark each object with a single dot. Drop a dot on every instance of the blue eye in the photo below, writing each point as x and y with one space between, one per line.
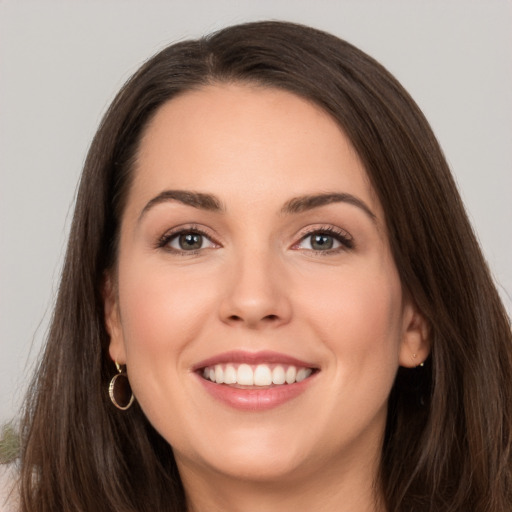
326 240
186 241
319 242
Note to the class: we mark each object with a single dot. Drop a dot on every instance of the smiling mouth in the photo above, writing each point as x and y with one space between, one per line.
246 376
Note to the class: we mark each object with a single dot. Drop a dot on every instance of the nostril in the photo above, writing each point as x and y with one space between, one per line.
267 318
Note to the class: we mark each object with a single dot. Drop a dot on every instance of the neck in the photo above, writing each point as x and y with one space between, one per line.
348 487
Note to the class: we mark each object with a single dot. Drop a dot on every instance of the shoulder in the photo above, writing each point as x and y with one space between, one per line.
8 488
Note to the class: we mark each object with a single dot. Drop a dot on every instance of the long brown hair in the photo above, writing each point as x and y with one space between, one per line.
448 436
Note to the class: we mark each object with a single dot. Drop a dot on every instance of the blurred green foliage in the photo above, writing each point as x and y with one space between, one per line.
9 443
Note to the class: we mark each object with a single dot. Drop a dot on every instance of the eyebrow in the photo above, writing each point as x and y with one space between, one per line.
195 199
308 202
299 204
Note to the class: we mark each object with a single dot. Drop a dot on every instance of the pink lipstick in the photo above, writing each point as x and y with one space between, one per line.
255 381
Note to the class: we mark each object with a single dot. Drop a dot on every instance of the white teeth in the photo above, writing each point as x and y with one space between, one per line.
278 375
230 374
291 373
302 374
257 375
244 375
262 375
219 374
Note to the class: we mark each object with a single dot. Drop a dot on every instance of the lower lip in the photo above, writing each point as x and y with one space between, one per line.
256 399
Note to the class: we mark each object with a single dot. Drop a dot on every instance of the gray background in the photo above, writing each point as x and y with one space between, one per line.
62 62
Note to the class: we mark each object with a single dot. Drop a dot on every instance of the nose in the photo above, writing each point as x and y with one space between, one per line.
256 294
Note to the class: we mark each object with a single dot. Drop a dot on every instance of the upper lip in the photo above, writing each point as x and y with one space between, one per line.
254 358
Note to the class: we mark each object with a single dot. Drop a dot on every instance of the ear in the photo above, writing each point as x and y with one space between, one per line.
113 320
415 346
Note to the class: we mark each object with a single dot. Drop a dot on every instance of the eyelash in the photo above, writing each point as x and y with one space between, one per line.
164 241
341 236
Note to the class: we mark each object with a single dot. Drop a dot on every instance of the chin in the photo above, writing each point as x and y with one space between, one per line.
258 455
260 467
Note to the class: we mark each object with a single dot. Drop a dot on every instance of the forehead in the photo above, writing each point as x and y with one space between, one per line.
243 137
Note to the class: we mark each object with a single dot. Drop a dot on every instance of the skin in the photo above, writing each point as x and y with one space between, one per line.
259 284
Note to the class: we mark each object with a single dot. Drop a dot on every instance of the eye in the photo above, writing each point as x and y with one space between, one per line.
325 240
186 241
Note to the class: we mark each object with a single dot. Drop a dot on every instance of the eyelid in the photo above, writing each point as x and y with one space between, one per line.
341 235
163 241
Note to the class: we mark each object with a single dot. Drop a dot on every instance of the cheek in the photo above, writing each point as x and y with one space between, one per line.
162 315
159 308
359 316
360 322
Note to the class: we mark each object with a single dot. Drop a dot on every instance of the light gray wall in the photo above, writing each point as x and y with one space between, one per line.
62 62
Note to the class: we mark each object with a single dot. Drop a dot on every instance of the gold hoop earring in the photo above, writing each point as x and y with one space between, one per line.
119 390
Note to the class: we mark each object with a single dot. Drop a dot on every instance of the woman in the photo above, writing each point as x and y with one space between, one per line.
268 245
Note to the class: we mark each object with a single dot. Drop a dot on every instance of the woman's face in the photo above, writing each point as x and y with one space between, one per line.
256 302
